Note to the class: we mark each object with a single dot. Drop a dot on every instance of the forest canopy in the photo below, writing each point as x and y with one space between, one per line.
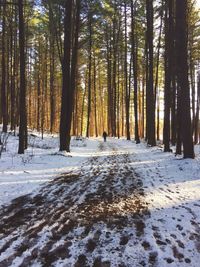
130 68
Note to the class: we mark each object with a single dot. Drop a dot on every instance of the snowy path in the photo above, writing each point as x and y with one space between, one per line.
78 217
104 214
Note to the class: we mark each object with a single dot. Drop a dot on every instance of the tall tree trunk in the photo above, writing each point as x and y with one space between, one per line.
143 102
23 123
12 71
173 78
118 98
150 88
74 72
158 115
135 72
15 75
89 73
69 65
156 89
38 102
66 80
83 105
182 77
158 52
168 67
3 71
197 129
52 73
127 97
109 82
147 91
95 99
192 81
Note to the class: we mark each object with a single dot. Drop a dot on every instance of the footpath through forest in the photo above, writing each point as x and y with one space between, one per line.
116 209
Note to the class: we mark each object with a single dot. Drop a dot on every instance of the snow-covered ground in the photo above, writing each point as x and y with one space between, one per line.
21 174
115 204
172 190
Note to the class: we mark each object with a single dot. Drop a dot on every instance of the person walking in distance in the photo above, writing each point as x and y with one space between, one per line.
104 136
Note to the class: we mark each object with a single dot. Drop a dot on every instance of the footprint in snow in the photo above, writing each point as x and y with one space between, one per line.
187 260
146 245
161 243
180 244
179 227
169 260
173 236
124 240
177 254
169 197
153 257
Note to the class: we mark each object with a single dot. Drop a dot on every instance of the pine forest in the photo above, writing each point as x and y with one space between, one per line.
99 133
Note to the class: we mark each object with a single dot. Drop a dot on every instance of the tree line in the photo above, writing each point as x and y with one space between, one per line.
79 67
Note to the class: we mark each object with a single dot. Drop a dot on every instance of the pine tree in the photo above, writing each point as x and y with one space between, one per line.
182 78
